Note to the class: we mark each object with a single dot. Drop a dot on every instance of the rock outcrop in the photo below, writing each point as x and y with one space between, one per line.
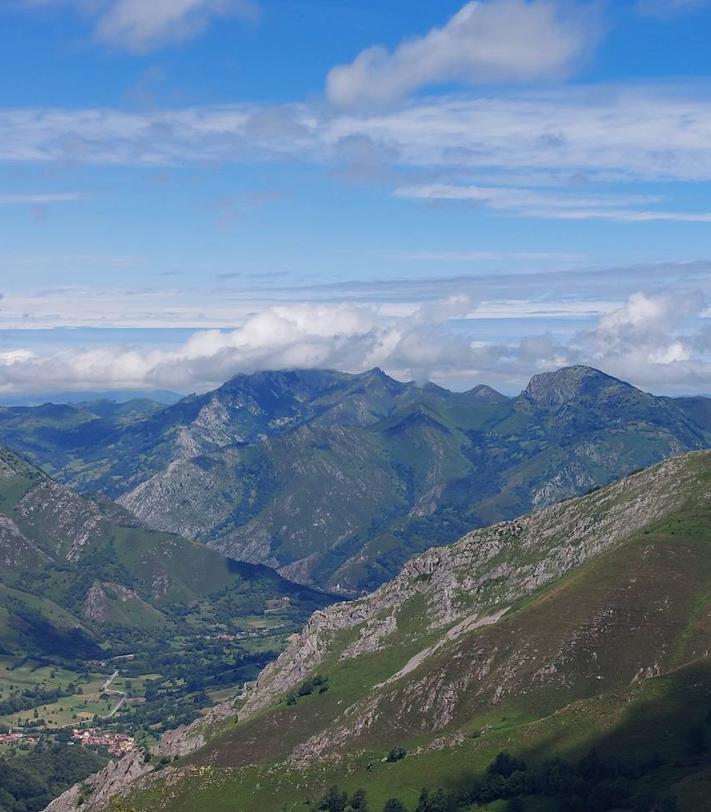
95 793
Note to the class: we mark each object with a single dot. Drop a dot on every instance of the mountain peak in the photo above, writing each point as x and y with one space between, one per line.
485 394
295 382
377 374
567 384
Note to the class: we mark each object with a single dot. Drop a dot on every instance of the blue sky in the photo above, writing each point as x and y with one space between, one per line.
463 192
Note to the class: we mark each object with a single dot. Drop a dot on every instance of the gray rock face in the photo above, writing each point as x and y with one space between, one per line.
68 521
96 792
97 604
554 389
188 738
15 549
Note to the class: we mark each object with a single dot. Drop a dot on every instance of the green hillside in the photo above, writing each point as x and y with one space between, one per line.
581 633
85 590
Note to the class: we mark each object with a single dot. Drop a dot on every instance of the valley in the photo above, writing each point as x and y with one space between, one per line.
106 625
355 406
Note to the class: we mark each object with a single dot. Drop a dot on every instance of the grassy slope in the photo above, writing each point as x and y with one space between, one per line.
561 674
81 544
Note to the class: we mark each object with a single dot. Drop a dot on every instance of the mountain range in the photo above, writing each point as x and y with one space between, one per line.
335 480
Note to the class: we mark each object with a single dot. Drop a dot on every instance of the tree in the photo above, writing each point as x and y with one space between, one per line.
696 740
433 803
335 800
505 764
396 754
394 805
515 805
359 801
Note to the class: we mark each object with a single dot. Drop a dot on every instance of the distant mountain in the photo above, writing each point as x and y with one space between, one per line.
574 640
72 569
164 397
335 480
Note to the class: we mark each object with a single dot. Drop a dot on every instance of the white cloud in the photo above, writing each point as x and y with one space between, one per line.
551 205
646 321
299 335
664 9
139 25
654 341
484 42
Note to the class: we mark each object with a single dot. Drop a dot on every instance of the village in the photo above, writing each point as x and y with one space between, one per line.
118 744
16 737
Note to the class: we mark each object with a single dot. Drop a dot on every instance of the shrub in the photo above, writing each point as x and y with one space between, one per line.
396 754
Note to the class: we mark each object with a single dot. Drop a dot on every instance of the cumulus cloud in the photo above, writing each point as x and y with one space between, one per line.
299 335
139 25
650 322
664 9
484 42
655 341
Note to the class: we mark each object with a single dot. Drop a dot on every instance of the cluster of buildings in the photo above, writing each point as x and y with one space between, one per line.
118 744
229 637
15 737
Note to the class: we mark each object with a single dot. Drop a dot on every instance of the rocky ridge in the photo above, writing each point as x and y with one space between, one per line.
454 657
488 568
98 790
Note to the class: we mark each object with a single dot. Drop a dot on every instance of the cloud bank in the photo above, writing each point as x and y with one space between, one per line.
659 341
552 205
616 132
535 154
